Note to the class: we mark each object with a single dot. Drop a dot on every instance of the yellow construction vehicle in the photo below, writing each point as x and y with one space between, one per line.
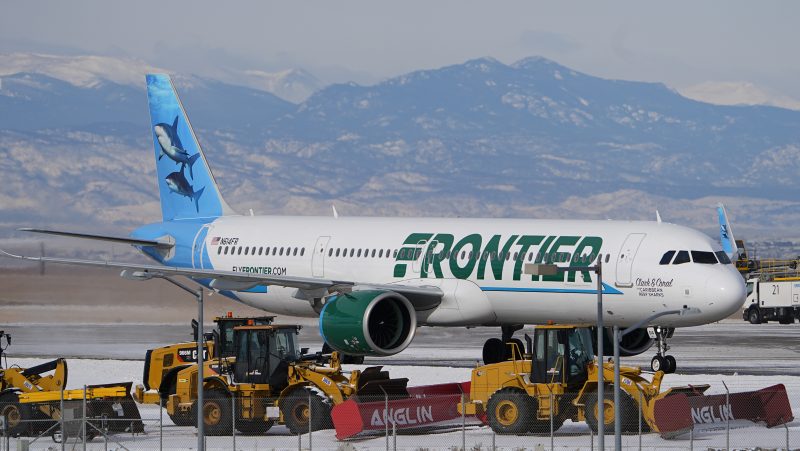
271 380
161 365
31 400
557 378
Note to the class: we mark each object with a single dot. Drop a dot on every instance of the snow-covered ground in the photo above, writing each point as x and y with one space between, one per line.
571 436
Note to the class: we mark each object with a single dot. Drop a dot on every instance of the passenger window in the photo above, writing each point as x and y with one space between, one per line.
394 253
337 251
260 250
246 249
330 252
239 251
359 253
608 256
380 253
219 250
666 258
373 253
723 257
275 250
681 258
226 250
302 251
705 258
352 252
530 257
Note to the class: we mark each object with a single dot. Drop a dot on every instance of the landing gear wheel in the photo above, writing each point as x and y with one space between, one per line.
16 414
518 348
297 411
494 351
511 411
754 316
671 364
253 427
217 418
658 363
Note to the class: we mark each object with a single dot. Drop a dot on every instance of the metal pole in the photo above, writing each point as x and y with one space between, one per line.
640 420
61 418
161 423
386 417
233 420
201 446
463 422
601 418
394 436
552 444
691 439
617 413
83 419
494 439
785 426
727 417
310 416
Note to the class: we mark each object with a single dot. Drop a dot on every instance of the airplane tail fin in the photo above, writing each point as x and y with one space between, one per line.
176 150
726 237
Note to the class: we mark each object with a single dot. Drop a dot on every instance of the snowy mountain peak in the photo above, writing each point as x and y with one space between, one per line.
80 71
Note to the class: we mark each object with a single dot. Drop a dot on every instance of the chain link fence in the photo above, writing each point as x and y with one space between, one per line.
510 420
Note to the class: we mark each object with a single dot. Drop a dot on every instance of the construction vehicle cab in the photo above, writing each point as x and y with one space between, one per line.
561 355
262 354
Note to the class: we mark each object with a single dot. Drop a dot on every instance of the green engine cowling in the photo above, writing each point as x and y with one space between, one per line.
369 322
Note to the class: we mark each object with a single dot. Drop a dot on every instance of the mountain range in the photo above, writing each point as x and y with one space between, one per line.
482 138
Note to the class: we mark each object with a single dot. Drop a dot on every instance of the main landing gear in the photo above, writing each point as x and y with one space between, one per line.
662 362
499 349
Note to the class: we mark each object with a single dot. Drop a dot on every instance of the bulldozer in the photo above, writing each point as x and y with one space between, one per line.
270 379
32 401
161 365
555 380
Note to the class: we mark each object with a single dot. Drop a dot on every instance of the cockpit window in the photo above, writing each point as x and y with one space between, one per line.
667 258
706 258
682 257
723 257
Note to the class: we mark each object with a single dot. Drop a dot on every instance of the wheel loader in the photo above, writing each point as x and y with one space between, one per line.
557 379
161 365
270 380
31 400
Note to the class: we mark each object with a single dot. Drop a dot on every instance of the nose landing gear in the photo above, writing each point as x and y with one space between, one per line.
662 362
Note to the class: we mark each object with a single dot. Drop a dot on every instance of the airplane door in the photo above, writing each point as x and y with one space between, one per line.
318 258
198 247
625 260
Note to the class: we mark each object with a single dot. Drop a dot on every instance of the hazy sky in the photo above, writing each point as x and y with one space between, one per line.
681 43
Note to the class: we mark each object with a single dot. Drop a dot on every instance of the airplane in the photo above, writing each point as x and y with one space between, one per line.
372 281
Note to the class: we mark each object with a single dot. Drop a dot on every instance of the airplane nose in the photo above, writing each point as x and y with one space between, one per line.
725 292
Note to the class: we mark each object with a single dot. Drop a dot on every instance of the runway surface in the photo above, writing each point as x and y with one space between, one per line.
728 347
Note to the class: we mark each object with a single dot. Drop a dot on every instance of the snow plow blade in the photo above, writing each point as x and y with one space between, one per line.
424 407
374 384
682 412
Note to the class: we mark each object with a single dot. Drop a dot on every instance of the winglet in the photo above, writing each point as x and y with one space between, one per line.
726 237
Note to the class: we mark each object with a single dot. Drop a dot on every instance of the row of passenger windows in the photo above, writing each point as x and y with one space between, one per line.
251 250
409 254
703 257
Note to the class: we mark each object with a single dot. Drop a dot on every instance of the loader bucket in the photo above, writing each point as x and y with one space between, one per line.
374 384
120 413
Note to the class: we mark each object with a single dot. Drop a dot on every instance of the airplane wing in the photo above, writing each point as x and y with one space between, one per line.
114 239
421 297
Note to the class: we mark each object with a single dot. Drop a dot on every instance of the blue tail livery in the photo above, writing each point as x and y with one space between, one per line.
173 136
726 238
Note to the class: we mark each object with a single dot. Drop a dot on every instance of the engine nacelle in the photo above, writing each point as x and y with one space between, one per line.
369 322
632 344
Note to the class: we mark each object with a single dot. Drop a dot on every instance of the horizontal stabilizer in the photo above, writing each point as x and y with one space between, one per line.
113 239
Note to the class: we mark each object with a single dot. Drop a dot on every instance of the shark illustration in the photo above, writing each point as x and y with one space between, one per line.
171 145
178 184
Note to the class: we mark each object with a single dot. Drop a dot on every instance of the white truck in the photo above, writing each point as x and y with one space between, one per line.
775 300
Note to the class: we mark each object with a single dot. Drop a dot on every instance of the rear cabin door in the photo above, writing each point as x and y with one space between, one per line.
198 247
627 253
318 258
549 354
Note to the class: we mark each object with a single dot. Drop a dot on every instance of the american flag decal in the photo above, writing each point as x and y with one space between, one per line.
215 241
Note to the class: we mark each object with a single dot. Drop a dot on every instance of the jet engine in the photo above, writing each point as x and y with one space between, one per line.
632 344
369 322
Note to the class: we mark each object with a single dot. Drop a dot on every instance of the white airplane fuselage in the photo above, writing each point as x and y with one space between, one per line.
488 288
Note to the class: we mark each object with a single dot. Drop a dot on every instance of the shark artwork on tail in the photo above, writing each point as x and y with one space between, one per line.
170 143
178 184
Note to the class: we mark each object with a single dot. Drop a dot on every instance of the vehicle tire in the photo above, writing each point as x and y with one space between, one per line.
629 411
297 411
217 418
17 414
509 353
671 364
494 351
754 316
253 427
511 411
788 318
658 363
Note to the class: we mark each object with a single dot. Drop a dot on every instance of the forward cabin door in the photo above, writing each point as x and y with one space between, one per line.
318 258
625 260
